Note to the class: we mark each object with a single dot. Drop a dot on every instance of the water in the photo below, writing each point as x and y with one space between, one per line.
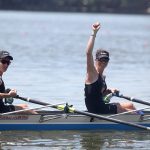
85 140
49 65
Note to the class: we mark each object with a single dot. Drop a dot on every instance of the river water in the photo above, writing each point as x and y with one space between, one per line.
49 65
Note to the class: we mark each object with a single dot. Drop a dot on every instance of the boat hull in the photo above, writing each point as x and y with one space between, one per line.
40 127
60 121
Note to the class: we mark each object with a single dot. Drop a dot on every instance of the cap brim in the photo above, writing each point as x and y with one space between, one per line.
10 57
106 57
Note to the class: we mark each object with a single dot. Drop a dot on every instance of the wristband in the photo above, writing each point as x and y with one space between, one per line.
94 35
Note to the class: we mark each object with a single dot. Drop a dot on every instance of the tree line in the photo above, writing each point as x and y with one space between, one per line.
106 6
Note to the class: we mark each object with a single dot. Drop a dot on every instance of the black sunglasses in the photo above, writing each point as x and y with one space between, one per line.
104 59
8 62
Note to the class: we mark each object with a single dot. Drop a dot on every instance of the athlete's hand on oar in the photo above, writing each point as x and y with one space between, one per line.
96 26
12 93
114 90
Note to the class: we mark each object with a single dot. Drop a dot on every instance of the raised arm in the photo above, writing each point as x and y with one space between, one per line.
92 74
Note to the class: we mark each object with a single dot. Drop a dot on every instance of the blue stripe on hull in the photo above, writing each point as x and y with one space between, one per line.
66 127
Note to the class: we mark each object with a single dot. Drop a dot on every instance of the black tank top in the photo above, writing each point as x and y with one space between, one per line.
94 98
2 90
94 95
102 84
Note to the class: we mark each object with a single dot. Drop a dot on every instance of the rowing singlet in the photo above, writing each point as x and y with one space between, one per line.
2 90
4 108
94 98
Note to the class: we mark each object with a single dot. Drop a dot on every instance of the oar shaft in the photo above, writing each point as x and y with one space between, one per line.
35 101
24 110
87 114
135 100
32 100
127 112
112 120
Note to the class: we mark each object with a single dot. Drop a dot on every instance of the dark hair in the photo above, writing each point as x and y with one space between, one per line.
101 53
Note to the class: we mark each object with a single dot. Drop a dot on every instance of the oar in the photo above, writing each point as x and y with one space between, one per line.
60 107
24 110
133 99
71 109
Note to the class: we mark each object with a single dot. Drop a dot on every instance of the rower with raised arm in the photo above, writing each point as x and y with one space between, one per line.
95 85
5 61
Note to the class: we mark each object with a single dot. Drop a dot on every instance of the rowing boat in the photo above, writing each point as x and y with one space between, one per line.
68 118
58 120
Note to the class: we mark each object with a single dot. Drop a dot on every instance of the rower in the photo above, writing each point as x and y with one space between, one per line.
95 85
5 61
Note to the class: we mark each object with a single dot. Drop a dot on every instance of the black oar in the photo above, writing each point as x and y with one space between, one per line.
71 109
133 99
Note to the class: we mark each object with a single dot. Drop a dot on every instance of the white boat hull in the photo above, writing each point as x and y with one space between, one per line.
56 120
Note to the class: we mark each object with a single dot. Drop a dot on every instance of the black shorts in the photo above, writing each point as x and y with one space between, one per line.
6 108
94 100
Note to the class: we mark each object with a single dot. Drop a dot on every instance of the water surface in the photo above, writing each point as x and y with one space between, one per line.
49 65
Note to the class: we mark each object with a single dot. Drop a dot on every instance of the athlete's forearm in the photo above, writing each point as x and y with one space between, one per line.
90 44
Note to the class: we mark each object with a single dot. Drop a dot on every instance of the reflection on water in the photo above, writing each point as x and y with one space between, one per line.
85 140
